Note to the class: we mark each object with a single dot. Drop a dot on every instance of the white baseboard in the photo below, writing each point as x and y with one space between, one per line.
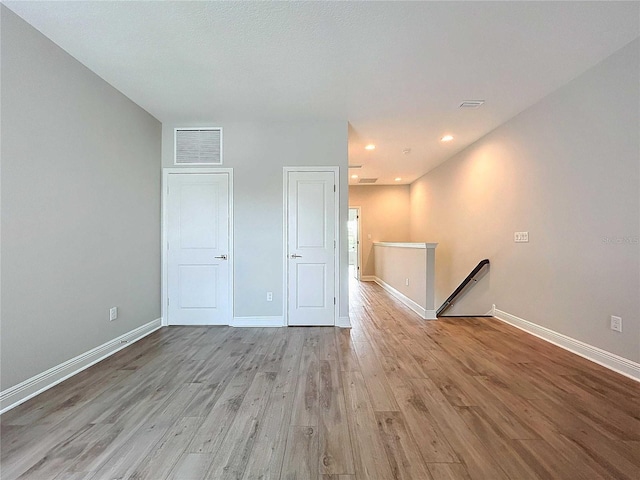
258 322
430 315
343 322
609 360
368 278
14 396
426 314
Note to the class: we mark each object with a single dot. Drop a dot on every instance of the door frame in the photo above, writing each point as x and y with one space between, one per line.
359 244
163 246
285 237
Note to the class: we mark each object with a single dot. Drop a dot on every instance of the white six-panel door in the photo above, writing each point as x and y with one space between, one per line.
311 249
198 247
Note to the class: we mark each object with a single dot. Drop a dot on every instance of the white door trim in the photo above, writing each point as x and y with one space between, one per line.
359 244
163 247
285 236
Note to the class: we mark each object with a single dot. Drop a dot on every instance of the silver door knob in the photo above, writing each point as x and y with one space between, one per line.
293 255
223 257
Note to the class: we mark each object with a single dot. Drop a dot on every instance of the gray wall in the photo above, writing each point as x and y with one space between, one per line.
384 215
80 207
257 151
567 171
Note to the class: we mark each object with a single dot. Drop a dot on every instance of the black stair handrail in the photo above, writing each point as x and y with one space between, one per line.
449 301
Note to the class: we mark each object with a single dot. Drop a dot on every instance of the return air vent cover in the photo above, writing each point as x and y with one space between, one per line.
368 180
472 104
198 146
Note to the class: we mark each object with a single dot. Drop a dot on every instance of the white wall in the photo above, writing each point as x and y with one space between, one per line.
80 207
384 215
567 171
407 271
257 151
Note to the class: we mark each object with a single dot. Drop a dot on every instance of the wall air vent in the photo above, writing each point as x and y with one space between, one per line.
198 146
355 166
472 104
368 180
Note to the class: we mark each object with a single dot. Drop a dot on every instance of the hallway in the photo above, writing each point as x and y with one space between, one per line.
483 400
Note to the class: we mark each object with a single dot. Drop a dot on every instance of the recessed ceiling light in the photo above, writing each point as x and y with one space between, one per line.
446 138
371 146
398 179
354 176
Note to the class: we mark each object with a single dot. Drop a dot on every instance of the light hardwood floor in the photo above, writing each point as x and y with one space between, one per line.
395 397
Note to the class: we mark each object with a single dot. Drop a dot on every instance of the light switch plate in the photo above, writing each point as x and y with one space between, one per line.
521 237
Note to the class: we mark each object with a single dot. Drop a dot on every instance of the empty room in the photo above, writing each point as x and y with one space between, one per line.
319 240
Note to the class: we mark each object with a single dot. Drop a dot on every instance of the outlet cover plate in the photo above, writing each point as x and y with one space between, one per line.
616 323
113 313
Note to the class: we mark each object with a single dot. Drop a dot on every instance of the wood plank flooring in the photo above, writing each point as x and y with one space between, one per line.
396 397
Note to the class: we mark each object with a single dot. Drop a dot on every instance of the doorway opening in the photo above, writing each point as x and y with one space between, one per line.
353 232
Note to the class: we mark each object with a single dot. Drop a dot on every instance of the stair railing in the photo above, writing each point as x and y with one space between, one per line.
470 278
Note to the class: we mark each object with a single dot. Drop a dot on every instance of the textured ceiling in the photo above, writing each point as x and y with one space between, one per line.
396 71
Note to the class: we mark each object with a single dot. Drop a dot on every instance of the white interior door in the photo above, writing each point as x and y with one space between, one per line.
311 248
198 282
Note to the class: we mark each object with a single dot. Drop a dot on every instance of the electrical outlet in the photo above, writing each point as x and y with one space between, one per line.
269 296
406 282
113 314
521 237
616 323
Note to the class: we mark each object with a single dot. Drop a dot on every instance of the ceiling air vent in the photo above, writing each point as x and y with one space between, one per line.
368 180
198 146
472 104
